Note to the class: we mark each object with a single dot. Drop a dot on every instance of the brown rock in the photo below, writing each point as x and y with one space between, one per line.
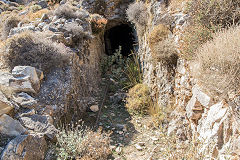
5 105
25 147
10 127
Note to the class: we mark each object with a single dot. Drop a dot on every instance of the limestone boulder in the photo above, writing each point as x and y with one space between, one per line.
25 147
5 105
34 75
4 82
40 124
25 100
26 79
22 84
10 127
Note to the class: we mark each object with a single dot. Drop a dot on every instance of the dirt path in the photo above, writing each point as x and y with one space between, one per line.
133 137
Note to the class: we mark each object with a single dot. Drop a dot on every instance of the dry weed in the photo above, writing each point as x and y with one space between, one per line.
208 17
33 49
68 11
138 14
219 62
8 21
138 100
33 16
83 144
162 47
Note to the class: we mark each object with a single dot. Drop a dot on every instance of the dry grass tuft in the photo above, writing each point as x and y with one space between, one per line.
8 21
68 11
138 14
219 62
35 50
159 33
33 16
138 100
83 144
208 17
162 47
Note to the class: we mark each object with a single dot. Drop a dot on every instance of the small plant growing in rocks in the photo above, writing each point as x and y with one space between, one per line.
68 11
161 46
98 23
138 14
125 70
82 144
139 100
33 49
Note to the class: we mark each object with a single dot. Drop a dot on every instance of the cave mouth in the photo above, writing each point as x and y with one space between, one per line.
121 35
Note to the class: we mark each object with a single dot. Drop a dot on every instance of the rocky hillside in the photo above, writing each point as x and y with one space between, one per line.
119 79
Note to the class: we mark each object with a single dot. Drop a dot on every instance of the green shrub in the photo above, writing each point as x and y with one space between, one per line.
132 71
219 63
83 144
124 70
33 49
138 100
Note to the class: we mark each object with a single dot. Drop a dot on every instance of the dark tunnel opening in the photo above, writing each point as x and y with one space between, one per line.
120 35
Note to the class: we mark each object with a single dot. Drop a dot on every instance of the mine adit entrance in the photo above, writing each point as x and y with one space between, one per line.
120 35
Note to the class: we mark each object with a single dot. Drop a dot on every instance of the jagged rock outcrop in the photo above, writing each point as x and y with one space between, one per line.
10 127
25 147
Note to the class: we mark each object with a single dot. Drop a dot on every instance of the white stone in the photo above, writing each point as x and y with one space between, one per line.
209 126
138 147
203 98
26 79
4 82
21 85
94 108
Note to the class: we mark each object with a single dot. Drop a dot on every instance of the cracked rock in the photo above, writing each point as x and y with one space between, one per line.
25 147
25 100
40 124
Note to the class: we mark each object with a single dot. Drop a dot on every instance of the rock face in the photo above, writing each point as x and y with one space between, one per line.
25 100
40 124
5 105
213 124
25 79
25 147
197 115
197 104
10 127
